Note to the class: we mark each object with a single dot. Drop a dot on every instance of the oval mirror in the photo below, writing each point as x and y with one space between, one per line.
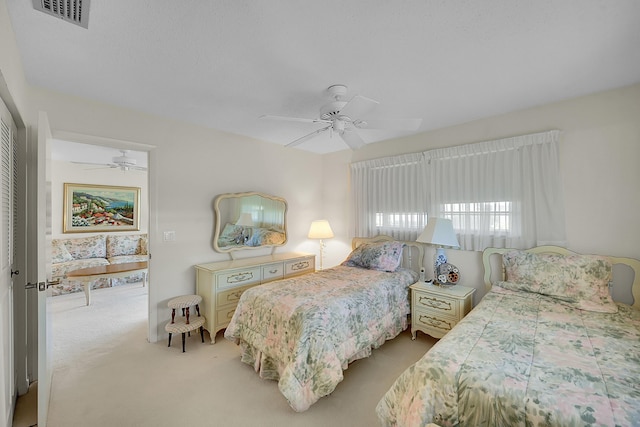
249 221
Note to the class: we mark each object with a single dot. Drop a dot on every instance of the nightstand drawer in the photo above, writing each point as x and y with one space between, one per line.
237 278
437 304
431 320
272 272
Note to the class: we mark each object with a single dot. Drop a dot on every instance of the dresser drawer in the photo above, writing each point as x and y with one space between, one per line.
432 320
224 315
237 278
272 272
438 305
230 296
301 266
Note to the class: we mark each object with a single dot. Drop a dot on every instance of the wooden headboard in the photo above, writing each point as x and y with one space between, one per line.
490 268
412 255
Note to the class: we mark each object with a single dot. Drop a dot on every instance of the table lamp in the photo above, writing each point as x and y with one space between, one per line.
439 232
320 229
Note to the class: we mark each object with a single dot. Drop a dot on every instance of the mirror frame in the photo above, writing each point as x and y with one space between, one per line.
219 225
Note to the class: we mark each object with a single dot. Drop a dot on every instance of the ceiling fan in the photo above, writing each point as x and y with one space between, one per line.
123 162
346 117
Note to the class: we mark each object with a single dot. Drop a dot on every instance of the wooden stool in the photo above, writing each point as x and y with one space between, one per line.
181 326
184 302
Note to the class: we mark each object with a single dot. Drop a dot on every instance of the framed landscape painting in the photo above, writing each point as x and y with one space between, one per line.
96 208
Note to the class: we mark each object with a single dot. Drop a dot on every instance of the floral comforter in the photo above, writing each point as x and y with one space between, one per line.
304 331
524 359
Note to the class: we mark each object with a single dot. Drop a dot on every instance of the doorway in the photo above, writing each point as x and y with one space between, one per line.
96 164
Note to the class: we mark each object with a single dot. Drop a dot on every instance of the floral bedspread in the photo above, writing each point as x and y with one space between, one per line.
524 359
304 331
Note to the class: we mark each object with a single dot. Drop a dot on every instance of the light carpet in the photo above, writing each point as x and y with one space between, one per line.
107 374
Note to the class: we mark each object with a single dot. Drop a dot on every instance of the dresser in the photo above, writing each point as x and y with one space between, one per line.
220 284
435 310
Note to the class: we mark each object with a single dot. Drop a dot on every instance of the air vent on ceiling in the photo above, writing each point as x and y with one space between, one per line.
74 11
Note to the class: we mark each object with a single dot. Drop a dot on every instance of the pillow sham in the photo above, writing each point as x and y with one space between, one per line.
581 281
382 256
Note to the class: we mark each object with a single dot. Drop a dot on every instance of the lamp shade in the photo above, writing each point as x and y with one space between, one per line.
320 229
439 232
245 220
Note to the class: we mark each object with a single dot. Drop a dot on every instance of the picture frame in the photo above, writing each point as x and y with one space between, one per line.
90 208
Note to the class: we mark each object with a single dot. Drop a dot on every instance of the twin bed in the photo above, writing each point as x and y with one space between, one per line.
545 346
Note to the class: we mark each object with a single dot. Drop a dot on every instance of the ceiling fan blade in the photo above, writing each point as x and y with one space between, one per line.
307 137
107 165
294 119
352 139
390 124
358 107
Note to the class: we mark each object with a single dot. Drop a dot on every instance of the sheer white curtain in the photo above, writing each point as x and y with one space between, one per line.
502 193
388 196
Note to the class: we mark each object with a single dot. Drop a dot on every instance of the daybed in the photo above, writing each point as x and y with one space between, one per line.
93 251
304 331
546 346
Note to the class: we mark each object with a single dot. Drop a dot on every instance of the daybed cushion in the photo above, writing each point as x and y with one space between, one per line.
382 256
581 281
127 258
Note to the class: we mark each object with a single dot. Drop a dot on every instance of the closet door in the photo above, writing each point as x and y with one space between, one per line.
8 184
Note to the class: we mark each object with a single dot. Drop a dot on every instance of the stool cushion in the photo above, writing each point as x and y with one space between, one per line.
184 301
180 325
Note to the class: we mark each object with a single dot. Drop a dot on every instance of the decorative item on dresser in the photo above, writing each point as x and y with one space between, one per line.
222 283
435 310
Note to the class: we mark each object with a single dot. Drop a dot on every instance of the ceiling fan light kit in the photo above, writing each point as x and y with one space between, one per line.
345 117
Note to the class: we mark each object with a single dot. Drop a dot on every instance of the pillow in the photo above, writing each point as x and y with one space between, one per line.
118 245
59 252
88 247
262 236
383 256
581 281
230 233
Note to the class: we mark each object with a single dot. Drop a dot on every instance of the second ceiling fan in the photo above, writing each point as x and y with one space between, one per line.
346 117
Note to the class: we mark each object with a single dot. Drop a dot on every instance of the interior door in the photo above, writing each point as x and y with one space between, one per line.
42 241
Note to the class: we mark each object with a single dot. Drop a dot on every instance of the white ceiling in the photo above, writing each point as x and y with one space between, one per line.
223 64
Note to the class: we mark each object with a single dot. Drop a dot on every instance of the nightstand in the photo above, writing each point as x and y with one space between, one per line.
435 310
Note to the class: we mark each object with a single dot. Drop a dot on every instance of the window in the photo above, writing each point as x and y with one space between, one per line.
501 193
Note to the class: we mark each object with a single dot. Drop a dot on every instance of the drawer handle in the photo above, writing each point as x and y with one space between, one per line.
436 323
302 265
240 277
236 296
273 271
435 303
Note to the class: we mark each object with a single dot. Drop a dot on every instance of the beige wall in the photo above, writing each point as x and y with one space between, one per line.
599 154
